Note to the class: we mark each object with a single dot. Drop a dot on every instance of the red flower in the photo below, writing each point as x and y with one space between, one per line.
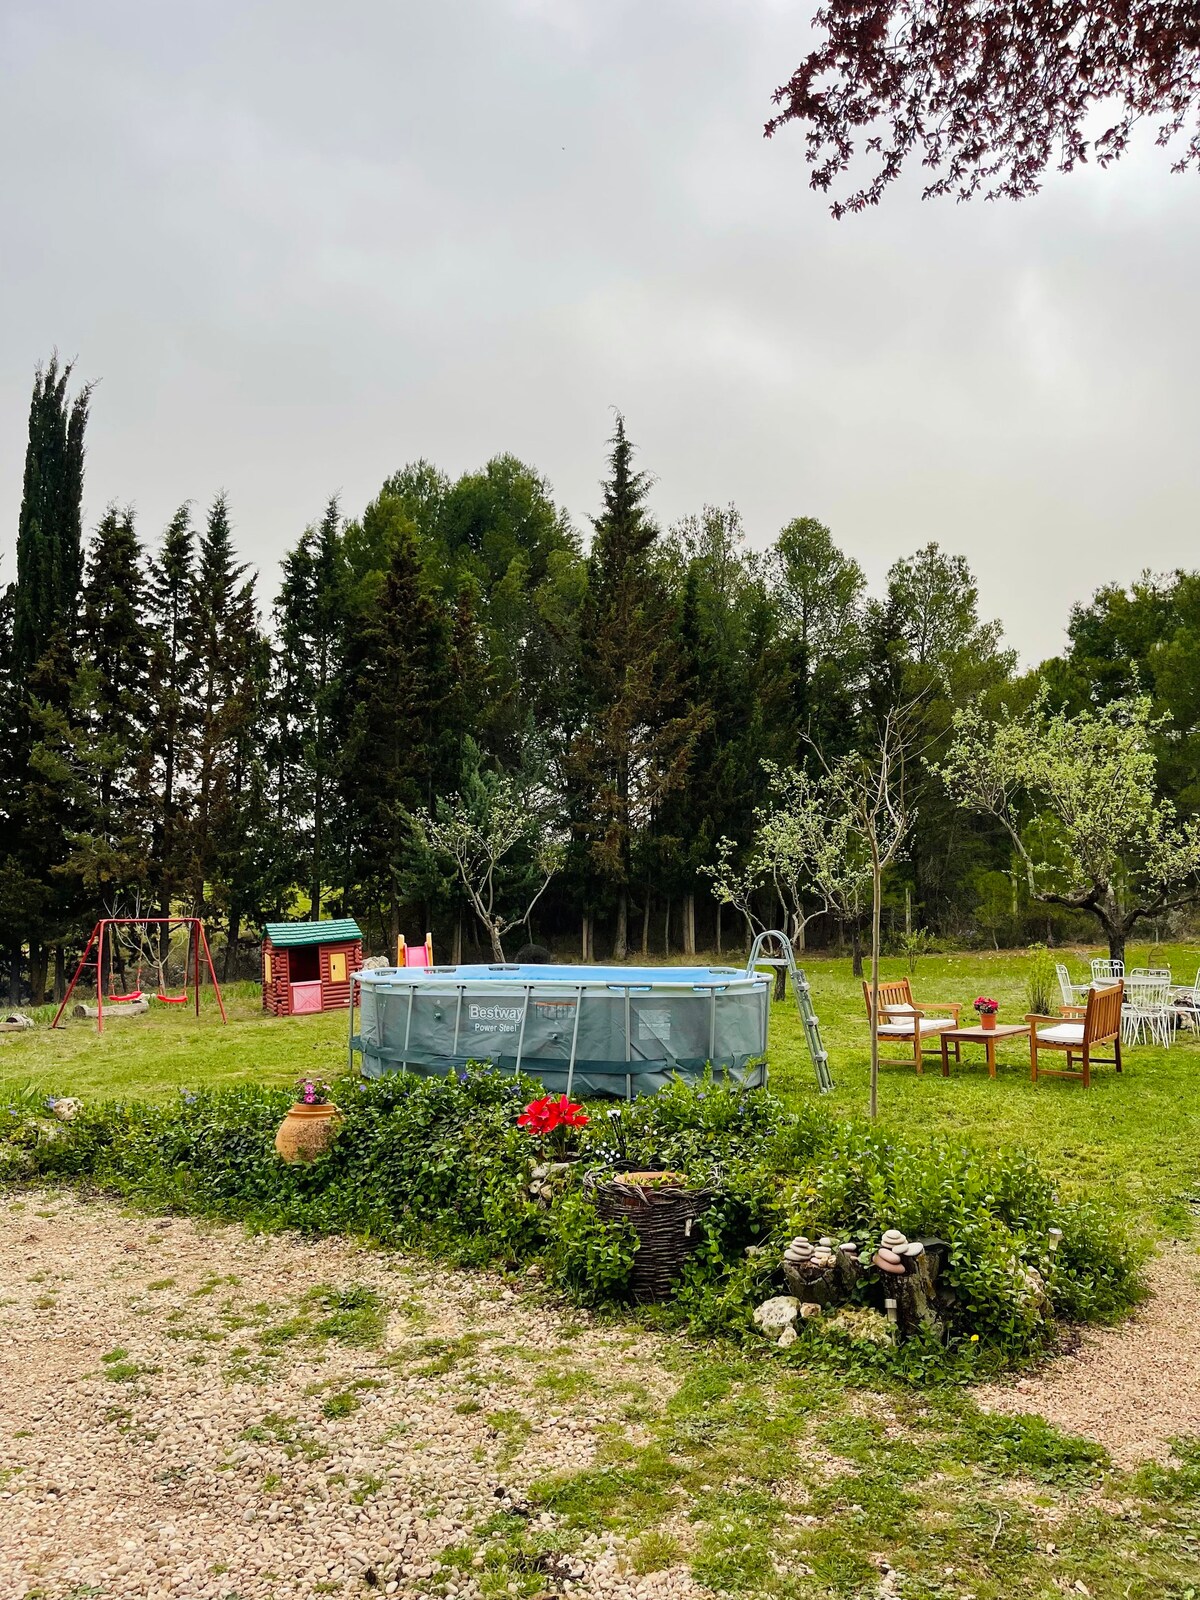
543 1116
985 1006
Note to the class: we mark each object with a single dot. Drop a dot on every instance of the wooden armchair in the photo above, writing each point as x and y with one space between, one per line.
1077 1032
903 1021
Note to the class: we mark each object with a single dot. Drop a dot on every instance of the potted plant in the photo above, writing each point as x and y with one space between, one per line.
987 1009
306 1131
554 1121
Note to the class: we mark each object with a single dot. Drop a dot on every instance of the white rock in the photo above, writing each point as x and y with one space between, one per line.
776 1314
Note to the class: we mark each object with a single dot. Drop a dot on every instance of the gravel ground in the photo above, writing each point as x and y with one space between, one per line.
174 1422
1134 1387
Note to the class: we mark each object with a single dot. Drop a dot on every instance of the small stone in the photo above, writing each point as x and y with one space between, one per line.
893 1238
809 1310
889 1255
893 1266
788 1337
913 1249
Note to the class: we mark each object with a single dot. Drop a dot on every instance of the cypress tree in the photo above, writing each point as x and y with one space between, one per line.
49 529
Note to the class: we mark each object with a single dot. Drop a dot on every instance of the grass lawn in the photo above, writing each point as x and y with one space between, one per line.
763 1477
1133 1140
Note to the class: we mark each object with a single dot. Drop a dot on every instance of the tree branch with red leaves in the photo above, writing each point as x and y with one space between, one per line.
987 97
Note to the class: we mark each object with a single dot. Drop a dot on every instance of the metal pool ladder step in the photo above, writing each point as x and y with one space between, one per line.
786 957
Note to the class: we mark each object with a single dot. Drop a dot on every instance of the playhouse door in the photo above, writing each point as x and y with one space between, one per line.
306 997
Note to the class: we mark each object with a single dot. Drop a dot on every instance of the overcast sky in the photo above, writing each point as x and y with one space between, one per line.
300 244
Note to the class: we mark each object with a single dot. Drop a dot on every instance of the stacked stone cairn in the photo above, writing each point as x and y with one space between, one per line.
899 1280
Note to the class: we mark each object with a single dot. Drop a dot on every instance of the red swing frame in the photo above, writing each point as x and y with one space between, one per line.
197 942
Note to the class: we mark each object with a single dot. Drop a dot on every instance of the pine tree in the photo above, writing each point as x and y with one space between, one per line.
218 616
110 856
400 751
637 736
306 743
174 677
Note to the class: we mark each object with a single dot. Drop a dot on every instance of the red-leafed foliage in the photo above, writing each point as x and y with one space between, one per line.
987 96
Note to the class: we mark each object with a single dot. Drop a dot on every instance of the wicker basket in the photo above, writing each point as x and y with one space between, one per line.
664 1216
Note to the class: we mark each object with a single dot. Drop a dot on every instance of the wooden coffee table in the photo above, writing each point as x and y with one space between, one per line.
984 1036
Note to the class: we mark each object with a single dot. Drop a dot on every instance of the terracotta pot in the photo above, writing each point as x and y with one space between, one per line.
305 1132
987 1020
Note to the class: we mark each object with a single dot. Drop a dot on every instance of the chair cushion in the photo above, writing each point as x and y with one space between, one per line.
928 1025
1062 1033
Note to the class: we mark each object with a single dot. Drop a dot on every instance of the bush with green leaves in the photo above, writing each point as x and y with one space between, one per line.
440 1164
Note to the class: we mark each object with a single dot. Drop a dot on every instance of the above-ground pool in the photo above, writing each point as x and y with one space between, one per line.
582 1030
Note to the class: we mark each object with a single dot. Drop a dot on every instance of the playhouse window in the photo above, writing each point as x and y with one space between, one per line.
304 964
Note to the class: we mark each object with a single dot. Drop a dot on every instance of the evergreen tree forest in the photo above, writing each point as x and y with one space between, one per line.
176 740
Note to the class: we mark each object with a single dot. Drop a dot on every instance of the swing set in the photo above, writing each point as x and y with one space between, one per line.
107 937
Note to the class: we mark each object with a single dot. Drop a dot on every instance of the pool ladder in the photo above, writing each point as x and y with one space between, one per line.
786 957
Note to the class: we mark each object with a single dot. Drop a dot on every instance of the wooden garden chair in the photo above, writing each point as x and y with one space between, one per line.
1076 1033
903 1021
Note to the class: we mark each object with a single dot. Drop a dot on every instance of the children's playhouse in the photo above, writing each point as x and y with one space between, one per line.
306 966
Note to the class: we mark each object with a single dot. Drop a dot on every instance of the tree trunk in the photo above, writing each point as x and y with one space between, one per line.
908 908
585 939
646 924
497 947
667 928
60 974
456 948
228 965
394 928
689 924
719 927
621 937
37 974
876 907
856 947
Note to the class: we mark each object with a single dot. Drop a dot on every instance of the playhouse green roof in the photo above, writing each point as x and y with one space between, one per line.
339 930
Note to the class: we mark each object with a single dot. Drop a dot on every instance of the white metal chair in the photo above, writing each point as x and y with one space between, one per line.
1149 1009
1070 990
1105 970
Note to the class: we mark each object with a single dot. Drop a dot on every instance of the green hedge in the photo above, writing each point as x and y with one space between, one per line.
441 1164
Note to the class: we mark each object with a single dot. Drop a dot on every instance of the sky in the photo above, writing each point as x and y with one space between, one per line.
297 245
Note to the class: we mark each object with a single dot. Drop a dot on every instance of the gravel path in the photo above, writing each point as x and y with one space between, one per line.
1134 1387
185 1413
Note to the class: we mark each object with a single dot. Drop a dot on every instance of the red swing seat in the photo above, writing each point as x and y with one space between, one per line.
124 999
173 999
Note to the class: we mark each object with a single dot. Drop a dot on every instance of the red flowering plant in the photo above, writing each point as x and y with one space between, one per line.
553 1118
986 1007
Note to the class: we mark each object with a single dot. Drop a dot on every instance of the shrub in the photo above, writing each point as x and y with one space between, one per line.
1041 982
441 1163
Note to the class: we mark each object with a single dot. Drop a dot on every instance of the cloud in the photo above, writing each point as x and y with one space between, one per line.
301 245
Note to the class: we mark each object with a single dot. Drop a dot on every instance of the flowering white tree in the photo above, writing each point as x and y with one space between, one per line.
498 839
1078 798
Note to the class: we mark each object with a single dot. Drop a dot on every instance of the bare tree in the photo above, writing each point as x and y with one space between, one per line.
871 789
499 841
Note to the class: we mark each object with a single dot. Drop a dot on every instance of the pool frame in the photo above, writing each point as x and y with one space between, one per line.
717 980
